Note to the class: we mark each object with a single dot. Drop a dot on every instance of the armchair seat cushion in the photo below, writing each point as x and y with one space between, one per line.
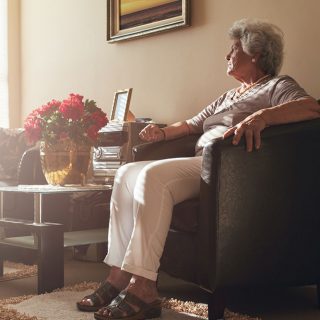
185 216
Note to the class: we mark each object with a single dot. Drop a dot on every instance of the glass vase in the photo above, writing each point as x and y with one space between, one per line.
65 163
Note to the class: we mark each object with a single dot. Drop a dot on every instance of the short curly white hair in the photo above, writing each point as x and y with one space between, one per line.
260 37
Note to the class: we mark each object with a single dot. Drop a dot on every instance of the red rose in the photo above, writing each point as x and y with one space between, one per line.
92 132
99 118
33 129
73 107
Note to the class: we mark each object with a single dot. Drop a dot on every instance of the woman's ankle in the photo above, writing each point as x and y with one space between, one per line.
143 288
119 278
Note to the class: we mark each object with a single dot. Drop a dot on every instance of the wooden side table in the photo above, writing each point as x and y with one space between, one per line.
47 239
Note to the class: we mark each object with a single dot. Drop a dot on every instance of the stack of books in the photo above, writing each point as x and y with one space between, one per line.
106 161
111 152
116 141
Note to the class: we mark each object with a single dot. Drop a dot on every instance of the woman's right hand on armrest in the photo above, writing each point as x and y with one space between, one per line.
152 133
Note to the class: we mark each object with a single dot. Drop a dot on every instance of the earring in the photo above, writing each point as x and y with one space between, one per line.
253 60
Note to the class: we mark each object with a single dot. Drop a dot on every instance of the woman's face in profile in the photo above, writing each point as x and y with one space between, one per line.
239 62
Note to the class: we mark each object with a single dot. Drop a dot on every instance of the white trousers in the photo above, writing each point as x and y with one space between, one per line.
142 200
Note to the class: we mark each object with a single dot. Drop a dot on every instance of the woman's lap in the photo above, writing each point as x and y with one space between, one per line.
139 226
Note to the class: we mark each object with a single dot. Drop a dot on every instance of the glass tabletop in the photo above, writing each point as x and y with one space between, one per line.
56 189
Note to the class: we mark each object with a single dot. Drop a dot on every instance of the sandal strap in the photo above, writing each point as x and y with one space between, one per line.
104 294
133 299
122 305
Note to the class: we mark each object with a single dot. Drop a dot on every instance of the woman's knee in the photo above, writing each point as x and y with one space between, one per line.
128 171
163 171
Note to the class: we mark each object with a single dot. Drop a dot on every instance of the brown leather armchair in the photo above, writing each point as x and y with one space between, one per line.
256 221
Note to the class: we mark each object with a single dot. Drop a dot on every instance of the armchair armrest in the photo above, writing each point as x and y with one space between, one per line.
181 147
273 139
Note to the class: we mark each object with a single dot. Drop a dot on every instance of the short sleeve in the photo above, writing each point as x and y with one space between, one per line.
286 89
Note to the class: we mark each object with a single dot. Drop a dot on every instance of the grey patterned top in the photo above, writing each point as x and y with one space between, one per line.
229 109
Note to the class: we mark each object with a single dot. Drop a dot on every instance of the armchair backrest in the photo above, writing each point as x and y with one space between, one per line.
262 209
30 170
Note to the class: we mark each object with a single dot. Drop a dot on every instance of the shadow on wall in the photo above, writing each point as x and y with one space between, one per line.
198 13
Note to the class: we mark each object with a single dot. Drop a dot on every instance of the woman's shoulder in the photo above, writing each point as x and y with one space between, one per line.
283 78
285 88
282 82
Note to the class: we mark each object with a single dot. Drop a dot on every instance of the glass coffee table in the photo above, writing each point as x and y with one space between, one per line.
47 239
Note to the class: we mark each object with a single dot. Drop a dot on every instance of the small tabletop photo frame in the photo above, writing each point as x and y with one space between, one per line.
121 103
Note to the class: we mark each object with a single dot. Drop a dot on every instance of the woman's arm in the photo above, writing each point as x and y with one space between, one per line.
293 111
152 132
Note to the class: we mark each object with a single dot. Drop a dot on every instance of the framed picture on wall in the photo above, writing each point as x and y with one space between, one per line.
121 103
127 19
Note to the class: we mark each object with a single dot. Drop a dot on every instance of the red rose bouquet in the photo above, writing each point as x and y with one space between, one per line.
70 119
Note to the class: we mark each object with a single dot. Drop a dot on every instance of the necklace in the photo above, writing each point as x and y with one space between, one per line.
237 92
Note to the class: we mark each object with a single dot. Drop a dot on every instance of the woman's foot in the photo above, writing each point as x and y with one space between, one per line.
99 298
140 300
108 290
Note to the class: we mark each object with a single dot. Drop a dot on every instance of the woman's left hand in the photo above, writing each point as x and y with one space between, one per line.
250 127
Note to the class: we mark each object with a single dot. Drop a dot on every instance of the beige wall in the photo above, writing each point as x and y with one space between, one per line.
14 63
173 75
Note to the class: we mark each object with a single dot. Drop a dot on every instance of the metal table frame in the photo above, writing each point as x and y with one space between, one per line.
48 237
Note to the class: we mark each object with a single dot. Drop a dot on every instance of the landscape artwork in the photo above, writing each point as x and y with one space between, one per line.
135 13
129 19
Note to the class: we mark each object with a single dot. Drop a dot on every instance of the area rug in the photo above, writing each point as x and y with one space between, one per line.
13 270
60 304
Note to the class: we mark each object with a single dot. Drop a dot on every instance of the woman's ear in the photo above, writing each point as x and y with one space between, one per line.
255 57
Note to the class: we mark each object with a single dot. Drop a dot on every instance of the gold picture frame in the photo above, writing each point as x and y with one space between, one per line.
120 106
127 19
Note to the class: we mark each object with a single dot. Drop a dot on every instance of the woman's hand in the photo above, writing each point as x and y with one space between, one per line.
152 133
251 128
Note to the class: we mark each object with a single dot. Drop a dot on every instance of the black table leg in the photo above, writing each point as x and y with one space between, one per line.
50 259
1 263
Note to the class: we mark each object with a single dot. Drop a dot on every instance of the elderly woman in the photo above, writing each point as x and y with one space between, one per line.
145 192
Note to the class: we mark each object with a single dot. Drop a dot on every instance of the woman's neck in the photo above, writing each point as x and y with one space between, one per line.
244 88
253 79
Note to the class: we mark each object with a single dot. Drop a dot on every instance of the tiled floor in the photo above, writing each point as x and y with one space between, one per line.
280 304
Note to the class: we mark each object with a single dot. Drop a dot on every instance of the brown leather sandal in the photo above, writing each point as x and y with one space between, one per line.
121 308
99 298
